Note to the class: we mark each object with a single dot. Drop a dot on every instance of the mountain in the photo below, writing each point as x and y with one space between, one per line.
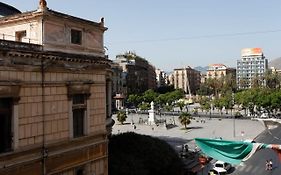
201 69
276 63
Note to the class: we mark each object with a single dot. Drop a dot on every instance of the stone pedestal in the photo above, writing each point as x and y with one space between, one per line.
151 117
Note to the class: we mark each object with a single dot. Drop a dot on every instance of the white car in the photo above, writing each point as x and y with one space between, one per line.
221 164
217 171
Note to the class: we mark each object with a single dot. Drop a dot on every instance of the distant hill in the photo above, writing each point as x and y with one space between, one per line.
275 63
201 69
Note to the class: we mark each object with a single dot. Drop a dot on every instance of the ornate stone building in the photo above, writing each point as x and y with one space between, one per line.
55 95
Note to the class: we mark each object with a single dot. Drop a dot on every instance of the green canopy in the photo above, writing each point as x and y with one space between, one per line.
228 151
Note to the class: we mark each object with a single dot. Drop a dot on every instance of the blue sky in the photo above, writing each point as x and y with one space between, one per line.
177 33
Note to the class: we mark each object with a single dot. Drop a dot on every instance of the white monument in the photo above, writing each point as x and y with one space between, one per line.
151 117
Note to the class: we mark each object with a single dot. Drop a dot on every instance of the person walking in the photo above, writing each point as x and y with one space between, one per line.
267 165
270 164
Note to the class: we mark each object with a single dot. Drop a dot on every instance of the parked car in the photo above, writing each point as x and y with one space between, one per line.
217 171
221 164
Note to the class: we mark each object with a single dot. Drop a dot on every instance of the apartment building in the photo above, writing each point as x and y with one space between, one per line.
55 95
140 74
251 68
216 71
187 79
161 78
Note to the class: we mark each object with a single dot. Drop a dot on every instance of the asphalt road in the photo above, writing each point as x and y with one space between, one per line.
256 165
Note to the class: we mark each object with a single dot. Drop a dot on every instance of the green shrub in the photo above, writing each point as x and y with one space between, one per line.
134 154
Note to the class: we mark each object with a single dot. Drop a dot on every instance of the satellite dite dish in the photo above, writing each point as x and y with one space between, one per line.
6 10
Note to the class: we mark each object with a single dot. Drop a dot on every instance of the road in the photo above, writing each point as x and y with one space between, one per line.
256 165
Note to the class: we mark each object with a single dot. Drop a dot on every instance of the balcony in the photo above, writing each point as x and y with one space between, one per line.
19 45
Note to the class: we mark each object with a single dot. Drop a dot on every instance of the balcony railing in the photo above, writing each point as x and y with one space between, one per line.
8 37
19 45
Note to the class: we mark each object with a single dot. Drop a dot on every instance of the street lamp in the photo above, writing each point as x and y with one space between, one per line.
233 116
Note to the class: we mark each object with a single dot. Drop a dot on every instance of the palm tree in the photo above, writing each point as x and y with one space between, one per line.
184 119
121 117
180 104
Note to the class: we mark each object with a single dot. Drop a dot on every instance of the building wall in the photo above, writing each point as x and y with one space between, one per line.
56 105
187 77
33 28
42 115
251 67
57 36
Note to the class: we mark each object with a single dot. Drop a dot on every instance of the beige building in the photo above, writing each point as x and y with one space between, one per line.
219 70
139 73
187 79
55 95
161 78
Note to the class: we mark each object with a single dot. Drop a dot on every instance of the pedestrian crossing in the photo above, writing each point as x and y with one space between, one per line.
249 170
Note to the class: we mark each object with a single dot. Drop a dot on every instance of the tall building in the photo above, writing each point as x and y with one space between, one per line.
140 74
151 77
187 79
161 78
118 86
55 95
251 68
219 70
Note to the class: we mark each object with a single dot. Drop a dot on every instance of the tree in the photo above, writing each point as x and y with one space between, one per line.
180 104
272 80
184 119
144 106
121 117
134 99
149 96
135 154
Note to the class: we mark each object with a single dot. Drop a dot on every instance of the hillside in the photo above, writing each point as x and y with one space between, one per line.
275 63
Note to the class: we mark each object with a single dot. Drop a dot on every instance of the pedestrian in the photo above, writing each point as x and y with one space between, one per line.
135 127
266 165
270 165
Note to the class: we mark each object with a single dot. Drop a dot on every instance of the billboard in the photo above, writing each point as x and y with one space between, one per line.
251 51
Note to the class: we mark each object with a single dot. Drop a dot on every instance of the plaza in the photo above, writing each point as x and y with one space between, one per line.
202 127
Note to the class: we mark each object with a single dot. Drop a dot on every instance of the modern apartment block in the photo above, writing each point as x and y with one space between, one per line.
216 71
251 68
187 79
55 95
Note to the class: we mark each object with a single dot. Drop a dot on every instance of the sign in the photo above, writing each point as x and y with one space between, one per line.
251 51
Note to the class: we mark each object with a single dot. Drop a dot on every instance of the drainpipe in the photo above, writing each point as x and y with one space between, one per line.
44 149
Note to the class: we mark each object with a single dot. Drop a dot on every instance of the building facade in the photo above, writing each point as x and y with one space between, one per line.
140 74
118 86
187 79
161 78
55 95
216 71
151 77
251 68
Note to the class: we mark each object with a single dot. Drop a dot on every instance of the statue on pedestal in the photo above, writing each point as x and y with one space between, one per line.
151 117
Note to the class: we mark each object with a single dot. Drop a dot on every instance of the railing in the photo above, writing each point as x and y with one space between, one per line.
8 37
19 45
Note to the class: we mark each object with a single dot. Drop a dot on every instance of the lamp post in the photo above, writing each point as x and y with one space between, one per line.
233 115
